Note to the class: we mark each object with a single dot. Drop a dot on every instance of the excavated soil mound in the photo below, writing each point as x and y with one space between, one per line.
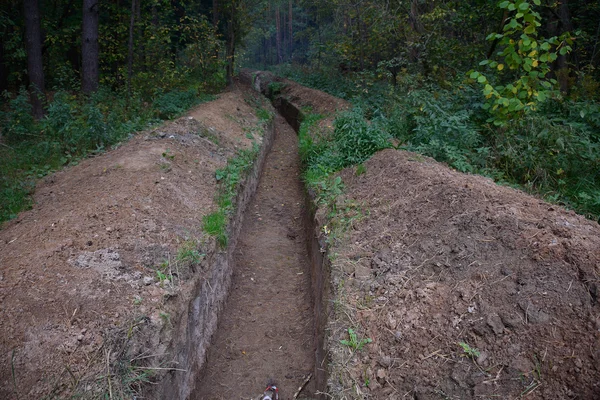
80 271
467 289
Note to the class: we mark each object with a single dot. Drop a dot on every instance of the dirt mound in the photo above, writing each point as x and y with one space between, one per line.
99 250
467 289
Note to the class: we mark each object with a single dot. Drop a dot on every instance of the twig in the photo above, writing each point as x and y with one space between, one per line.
12 365
161 369
302 386
108 374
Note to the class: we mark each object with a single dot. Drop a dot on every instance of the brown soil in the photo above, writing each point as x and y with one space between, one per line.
266 328
439 258
82 263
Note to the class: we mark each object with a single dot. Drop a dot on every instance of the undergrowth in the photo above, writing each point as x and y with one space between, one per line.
554 151
73 128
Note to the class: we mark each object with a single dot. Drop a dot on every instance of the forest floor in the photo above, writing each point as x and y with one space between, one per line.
467 289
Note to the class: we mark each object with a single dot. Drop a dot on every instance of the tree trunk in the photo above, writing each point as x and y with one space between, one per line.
130 48
35 67
231 45
291 31
215 14
490 52
562 67
278 35
3 69
90 74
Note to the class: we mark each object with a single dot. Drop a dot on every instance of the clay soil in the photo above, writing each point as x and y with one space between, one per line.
266 329
79 269
437 259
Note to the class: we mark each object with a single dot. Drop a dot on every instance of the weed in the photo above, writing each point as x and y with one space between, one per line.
171 104
166 317
469 351
275 89
161 276
215 224
168 155
354 343
137 300
264 115
188 254
361 169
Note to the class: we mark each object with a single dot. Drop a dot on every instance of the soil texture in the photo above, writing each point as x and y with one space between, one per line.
81 267
469 290
266 328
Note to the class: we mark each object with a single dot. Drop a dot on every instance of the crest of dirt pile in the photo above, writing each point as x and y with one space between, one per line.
78 272
467 289
300 98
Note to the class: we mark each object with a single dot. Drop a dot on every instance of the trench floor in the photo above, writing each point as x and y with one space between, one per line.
266 328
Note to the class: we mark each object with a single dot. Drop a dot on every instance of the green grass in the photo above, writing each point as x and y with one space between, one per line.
215 224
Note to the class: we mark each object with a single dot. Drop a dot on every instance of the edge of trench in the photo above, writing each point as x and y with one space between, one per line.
192 332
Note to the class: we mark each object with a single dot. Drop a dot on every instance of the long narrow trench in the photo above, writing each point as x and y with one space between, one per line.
266 328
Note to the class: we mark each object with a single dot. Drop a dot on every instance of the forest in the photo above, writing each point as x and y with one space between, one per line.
507 89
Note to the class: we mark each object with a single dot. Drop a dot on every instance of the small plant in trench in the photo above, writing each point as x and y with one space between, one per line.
469 351
188 254
264 115
353 342
215 224
161 276
229 177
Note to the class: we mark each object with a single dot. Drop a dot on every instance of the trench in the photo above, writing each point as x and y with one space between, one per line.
272 323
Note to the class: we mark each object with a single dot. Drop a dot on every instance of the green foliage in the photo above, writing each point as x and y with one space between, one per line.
353 342
275 89
264 115
215 224
469 351
553 150
73 128
356 140
230 176
237 168
188 254
17 121
171 104
525 55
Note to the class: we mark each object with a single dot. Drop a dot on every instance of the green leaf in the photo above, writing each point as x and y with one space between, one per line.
484 62
537 2
504 4
481 79
523 6
474 75
529 29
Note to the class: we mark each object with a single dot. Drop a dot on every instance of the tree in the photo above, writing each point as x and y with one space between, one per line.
35 66
90 75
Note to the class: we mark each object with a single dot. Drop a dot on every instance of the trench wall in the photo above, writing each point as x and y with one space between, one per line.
316 244
196 320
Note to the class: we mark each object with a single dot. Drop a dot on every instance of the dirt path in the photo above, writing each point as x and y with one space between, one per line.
266 327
